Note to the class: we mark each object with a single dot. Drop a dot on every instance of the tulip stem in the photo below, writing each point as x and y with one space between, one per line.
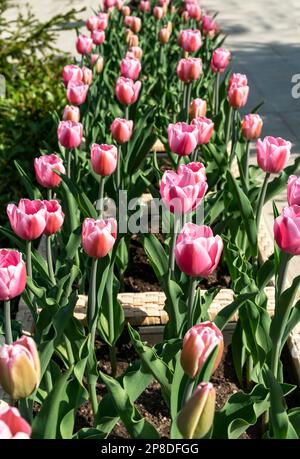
188 101
127 112
191 300
178 162
49 259
29 265
195 154
118 177
246 164
217 85
261 199
7 319
172 248
69 160
234 136
188 391
101 195
229 123
92 300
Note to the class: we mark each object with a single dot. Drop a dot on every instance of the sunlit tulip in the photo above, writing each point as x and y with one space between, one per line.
189 69
104 159
44 166
273 154
190 40
92 23
71 113
84 44
98 236
87 77
12 425
198 107
209 26
293 190
287 230
130 67
205 128
121 130
28 219
127 91
97 61
70 134
72 73
12 274
54 217
183 138
77 92
220 60
98 37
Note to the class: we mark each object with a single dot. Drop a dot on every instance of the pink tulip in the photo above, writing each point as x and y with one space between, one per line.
197 251
98 236
97 61
104 159
293 190
120 4
44 174
205 128
127 91
12 425
185 15
12 274
194 11
70 134
287 230
54 217
164 35
220 60
164 2
197 108
189 69
158 12
87 77
130 68
238 96
145 6
84 44
71 113
126 11
136 51
252 126
134 23
28 219
98 37
92 23
209 26
72 73
103 21
198 344
190 40
273 154
109 4
20 368
183 138
238 79
121 130
183 191
77 92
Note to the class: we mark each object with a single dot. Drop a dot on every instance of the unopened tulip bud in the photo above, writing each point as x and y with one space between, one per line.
136 51
127 91
293 190
104 159
251 126
77 92
273 154
72 73
205 128
198 344
54 217
173 9
133 41
164 35
196 417
12 274
145 6
287 230
97 61
98 37
84 44
194 11
197 108
92 23
19 368
121 130
189 69
103 21
126 10
98 236
170 26
71 113
70 134
158 12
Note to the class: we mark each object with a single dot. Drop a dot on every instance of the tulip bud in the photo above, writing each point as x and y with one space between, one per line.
130 67
127 91
293 190
287 230
71 113
136 51
12 274
251 126
198 344
12 425
104 159
158 12
70 134
273 154
126 10
54 217
190 40
98 37
72 73
185 16
205 128
182 138
77 92
92 23
133 41
133 22
121 130
209 26
164 35
98 236
197 108
87 77
97 61
103 21
196 417
189 69
220 60
170 27
194 11
144 6
84 44
44 166
28 219
19 368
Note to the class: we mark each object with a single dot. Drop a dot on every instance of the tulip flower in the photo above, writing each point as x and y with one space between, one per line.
121 130
92 23
132 40
136 51
98 37
54 217
69 134
198 251
12 274
109 4
158 12
19 368
44 166
98 236
77 92
190 40
238 96
103 21
293 190
12 425
71 113
287 230
198 107
97 61
252 126
196 417
104 159
84 44
164 35
198 344
127 91
144 6
183 138
183 191
134 23
28 219
87 77
185 15
273 154
130 67
189 69
72 73
193 11
126 10
220 60
209 26
205 128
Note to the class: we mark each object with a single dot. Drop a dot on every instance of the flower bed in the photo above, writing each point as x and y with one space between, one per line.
167 77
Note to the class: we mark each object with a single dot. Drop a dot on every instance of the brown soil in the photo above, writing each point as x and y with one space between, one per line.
151 404
140 277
